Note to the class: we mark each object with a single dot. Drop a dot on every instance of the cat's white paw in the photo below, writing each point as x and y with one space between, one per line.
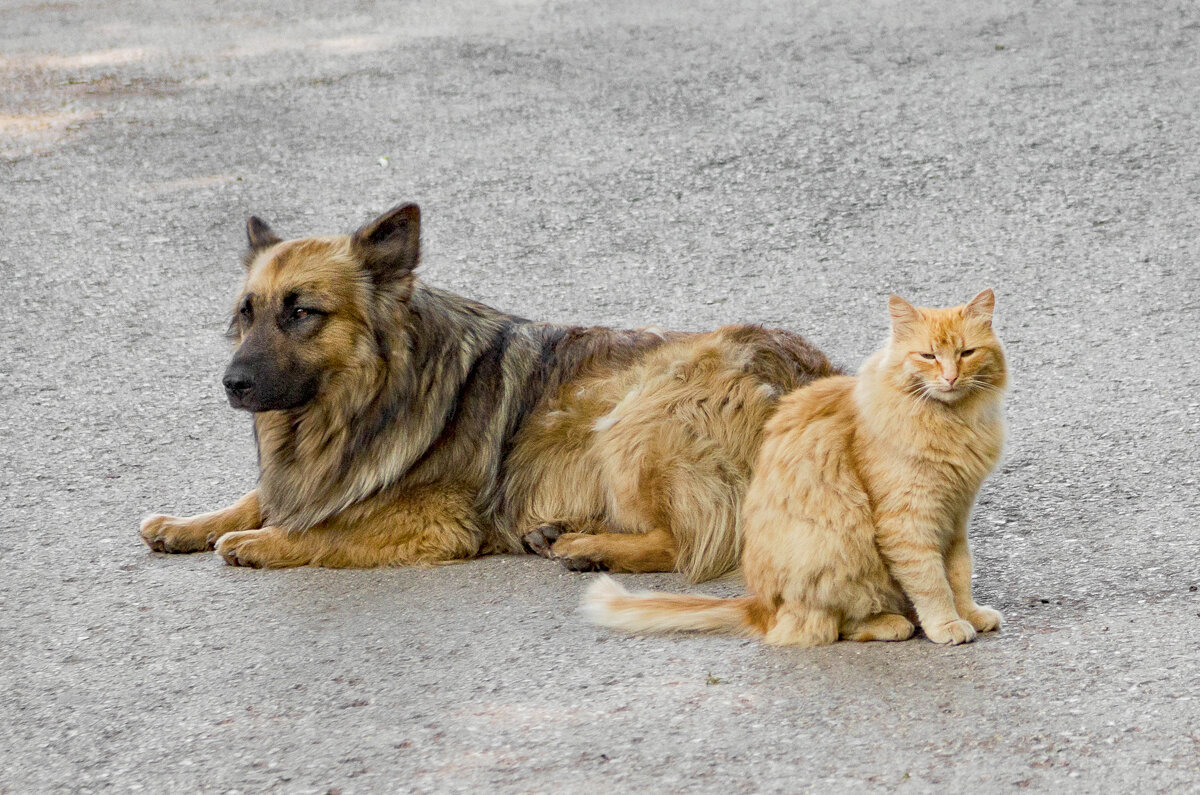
952 632
985 619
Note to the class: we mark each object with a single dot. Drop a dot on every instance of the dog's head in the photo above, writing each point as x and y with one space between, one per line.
309 309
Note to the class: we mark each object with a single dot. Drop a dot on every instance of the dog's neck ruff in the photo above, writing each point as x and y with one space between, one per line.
320 460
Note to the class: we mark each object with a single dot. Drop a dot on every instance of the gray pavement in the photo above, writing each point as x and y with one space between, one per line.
623 163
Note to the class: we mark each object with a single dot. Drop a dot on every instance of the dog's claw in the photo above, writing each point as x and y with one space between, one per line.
535 542
541 539
582 564
170 534
230 556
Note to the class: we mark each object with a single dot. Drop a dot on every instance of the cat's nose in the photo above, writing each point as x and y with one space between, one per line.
950 379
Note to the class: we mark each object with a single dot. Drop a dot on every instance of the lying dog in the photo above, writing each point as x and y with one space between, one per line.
400 424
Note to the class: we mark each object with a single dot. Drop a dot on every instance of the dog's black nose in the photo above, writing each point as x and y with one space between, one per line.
237 386
237 382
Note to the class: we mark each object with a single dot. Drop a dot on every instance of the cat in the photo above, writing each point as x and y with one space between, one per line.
857 510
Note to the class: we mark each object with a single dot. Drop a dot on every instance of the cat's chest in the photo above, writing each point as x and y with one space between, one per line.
966 459
934 474
940 478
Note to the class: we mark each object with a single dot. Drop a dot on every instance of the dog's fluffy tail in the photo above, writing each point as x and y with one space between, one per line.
609 605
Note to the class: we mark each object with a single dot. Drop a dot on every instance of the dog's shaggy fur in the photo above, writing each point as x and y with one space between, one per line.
400 424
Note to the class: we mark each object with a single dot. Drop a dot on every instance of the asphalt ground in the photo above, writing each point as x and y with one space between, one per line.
685 164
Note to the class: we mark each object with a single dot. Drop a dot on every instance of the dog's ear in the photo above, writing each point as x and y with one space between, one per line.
390 246
259 236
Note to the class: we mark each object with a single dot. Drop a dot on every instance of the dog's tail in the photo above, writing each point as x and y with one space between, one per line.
609 605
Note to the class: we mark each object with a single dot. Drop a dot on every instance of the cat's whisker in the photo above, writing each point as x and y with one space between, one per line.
922 392
984 386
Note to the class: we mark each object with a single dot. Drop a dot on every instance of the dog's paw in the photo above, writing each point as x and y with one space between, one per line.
573 550
541 539
172 534
984 619
265 548
576 552
951 633
254 549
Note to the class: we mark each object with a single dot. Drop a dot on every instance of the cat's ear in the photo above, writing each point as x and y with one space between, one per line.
904 315
981 306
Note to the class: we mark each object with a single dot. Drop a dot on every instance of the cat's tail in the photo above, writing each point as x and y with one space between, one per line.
609 605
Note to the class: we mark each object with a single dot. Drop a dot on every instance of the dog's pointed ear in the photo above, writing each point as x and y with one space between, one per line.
259 236
390 246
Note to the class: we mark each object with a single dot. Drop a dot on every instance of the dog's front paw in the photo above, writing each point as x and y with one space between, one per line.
243 548
267 548
984 619
951 633
172 534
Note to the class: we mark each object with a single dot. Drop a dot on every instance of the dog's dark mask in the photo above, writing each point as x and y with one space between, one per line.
265 374
263 377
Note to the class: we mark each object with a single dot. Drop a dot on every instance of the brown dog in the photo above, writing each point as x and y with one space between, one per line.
399 424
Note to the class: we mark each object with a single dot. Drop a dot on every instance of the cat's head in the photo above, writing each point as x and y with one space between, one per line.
945 354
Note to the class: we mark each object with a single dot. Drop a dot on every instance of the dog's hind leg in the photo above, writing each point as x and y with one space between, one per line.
423 527
198 533
680 504
622 552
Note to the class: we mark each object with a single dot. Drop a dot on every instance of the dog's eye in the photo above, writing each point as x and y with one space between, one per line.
967 352
299 313
929 356
246 310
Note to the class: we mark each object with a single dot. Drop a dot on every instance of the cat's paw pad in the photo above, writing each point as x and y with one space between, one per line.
575 551
985 619
540 539
171 534
951 633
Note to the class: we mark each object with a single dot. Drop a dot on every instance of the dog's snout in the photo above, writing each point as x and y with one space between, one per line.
238 381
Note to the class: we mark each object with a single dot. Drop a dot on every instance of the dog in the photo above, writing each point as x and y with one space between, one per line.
400 424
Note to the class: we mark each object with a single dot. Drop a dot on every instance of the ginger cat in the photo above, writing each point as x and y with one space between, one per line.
856 514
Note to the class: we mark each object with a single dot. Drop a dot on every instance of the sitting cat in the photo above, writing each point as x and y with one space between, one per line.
856 514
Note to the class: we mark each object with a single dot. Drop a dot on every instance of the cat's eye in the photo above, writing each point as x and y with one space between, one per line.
967 352
929 356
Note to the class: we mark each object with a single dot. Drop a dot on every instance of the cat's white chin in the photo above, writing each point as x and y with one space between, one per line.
945 395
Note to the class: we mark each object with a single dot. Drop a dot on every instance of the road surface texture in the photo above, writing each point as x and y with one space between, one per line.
679 163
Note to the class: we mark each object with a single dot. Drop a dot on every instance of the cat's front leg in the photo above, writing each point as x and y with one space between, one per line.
914 559
958 571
